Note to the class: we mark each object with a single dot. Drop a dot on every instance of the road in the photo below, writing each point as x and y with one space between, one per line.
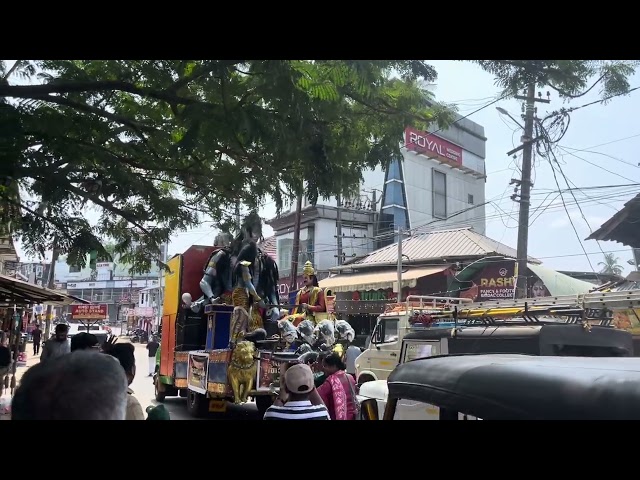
142 387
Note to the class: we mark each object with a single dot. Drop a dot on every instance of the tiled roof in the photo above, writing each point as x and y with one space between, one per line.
268 246
441 244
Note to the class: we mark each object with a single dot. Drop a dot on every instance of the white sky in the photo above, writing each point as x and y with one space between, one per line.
551 237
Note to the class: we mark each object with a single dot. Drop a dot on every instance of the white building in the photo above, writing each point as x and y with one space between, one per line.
439 182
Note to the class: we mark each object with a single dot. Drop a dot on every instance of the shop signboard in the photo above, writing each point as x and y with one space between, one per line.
89 312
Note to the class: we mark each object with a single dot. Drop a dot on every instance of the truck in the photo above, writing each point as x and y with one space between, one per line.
581 325
381 357
183 275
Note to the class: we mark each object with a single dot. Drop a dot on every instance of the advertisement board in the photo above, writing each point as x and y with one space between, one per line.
197 372
89 312
432 146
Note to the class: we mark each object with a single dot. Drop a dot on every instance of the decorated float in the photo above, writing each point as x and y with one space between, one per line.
229 344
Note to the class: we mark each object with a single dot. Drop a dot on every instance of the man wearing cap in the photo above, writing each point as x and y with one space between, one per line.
299 385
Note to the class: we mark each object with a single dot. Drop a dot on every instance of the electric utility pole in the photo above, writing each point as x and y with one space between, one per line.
51 284
525 185
339 230
296 245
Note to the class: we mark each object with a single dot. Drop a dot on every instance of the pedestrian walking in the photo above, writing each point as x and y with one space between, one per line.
58 345
36 335
152 348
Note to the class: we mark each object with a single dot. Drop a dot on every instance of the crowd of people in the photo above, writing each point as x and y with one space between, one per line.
84 380
81 380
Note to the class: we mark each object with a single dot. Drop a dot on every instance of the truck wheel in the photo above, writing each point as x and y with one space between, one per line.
160 395
197 404
263 402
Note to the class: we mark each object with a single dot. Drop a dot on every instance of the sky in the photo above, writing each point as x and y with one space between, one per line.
608 132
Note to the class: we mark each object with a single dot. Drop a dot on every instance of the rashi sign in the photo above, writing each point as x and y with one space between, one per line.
497 282
432 145
89 312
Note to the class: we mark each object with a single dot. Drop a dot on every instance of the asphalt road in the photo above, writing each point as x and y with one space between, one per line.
142 387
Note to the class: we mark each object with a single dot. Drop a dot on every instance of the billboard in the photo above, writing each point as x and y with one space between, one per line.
89 312
432 146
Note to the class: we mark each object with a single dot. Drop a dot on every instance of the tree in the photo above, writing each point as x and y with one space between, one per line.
155 144
569 78
610 265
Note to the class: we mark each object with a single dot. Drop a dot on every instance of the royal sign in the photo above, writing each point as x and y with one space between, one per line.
432 146
89 312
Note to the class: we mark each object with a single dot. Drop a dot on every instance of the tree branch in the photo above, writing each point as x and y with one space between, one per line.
97 111
37 91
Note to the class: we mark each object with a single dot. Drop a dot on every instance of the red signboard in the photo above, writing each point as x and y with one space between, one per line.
432 146
89 312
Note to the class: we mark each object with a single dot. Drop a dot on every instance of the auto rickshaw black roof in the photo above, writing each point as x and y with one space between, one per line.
522 387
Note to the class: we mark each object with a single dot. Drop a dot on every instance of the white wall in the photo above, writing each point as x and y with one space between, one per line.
355 240
371 179
418 172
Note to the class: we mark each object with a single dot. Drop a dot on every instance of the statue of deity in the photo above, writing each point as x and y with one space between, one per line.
309 299
246 316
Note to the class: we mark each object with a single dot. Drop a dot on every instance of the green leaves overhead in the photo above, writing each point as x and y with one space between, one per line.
153 145
569 78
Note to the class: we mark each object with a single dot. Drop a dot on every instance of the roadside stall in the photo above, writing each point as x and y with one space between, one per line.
16 297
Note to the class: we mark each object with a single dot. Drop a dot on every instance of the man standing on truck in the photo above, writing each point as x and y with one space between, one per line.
152 348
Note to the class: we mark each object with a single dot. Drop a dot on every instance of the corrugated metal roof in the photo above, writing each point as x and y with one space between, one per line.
441 244
268 246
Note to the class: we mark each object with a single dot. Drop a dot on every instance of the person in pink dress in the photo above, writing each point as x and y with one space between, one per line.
338 391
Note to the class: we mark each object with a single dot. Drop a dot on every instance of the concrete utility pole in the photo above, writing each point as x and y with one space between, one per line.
51 284
339 230
525 187
400 234
295 254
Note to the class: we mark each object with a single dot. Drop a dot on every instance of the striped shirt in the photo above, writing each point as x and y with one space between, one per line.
297 411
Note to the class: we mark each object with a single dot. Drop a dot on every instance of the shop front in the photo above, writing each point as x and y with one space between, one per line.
360 298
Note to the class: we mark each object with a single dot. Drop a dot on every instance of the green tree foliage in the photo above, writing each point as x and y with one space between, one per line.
569 78
610 264
154 144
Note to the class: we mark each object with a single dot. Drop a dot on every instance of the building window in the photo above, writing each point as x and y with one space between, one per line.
285 248
74 269
439 194
470 199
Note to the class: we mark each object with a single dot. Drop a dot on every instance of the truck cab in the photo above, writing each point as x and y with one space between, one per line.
383 354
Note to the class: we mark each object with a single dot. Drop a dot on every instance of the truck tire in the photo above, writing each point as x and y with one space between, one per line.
197 404
160 395
263 402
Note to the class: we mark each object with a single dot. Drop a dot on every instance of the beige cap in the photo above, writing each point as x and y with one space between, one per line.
299 378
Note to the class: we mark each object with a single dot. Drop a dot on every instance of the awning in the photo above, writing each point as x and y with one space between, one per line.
558 283
14 291
378 281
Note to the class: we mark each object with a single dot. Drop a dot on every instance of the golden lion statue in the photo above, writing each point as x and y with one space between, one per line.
242 370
